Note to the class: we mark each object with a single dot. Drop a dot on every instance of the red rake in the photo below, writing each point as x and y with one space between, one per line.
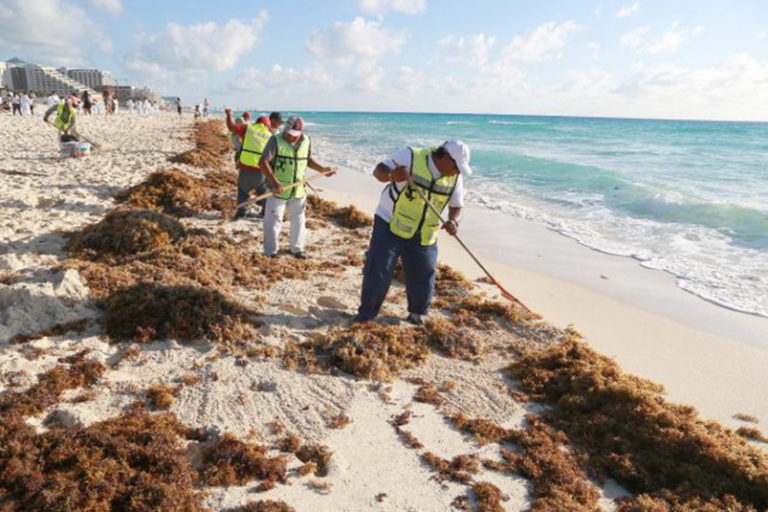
504 293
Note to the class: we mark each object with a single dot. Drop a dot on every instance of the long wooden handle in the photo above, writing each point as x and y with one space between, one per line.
265 195
504 293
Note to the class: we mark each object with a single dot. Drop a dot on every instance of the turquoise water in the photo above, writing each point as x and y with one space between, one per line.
687 197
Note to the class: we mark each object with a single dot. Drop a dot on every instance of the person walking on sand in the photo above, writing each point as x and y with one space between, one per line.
178 106
252 138
284 162
405 227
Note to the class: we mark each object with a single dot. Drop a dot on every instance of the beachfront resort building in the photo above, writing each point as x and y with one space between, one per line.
93 78
43 80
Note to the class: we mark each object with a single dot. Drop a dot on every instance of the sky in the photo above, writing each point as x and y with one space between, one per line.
678 59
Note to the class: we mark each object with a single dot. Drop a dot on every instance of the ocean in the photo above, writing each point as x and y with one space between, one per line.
686 197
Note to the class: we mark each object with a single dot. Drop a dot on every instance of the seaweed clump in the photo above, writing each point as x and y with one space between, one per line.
211 145
229 461
125 233
488 497
620 427
371 350
148 311
343 216
170 191
460 342
134 462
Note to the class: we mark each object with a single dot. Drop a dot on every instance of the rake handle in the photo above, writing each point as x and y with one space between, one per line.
504 292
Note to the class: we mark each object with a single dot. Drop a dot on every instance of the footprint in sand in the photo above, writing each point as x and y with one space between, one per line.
329 302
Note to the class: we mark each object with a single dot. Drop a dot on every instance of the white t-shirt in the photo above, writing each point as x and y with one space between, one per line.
403 157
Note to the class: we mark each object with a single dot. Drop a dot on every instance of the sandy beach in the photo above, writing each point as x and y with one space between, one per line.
286 383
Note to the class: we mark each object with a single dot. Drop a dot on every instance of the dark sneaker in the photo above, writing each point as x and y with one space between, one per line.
300 255
414 319
357 319
238 216
271 255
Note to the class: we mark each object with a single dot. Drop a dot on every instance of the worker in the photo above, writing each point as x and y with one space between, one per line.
406 227
284 164
253 137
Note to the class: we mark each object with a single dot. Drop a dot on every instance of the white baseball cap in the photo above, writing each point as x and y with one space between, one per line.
294 126
460 154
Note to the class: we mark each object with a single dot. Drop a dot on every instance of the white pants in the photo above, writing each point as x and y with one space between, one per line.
273 222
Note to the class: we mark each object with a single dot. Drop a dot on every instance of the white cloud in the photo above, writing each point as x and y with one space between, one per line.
27 28
668 42
594 49
114 7
358 38
403 6
407 80
195 48
635 38
288 80
628 10
545 42
472 51
734 89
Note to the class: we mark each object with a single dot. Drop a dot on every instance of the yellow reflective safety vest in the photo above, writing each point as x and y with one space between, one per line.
290 165
59 121
412 216
256 137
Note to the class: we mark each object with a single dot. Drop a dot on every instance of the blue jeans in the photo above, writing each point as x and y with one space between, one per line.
419 262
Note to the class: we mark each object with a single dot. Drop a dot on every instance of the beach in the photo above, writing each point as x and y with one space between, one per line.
265 378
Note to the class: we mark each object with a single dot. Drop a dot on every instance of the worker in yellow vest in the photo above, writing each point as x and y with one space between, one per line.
406 228
284 162
253 138
66 113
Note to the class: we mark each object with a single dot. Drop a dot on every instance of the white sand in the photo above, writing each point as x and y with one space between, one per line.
41 196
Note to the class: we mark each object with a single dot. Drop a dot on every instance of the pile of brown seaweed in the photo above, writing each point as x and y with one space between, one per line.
124 233
621 427
151 311
229 461
343 216
211 145
172 191
368 350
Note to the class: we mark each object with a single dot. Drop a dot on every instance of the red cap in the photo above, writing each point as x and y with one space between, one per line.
246 115
265 121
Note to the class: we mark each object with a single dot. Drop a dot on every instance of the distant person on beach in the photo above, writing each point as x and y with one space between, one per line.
178 106
66 115
87 103
32 100
253 137
284 162
16 104
205 107
405 227
25 102
197 111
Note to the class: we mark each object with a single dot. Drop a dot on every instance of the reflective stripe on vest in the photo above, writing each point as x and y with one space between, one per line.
256 137
411 214
290 165
59 121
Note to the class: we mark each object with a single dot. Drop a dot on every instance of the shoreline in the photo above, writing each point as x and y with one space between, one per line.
704 354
